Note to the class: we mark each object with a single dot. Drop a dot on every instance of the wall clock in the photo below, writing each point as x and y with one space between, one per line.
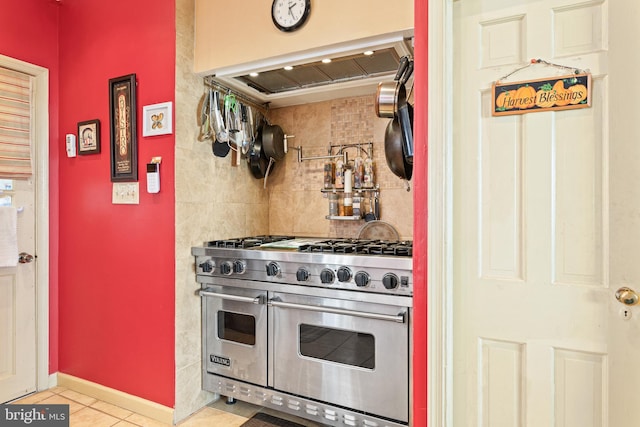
289 15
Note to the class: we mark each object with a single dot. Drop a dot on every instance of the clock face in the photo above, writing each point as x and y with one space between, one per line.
289 15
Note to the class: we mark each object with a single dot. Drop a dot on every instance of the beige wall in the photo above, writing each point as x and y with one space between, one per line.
238 32
213 200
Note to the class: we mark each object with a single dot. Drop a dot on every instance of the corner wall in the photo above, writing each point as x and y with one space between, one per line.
214 200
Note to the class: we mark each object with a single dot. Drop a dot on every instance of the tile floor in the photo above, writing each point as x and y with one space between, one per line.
85 411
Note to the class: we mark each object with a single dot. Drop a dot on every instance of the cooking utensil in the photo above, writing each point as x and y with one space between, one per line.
391 95
399 132
247 128
378 230
273 141
394 148
220 146
233 120
406 127
205 126
258 162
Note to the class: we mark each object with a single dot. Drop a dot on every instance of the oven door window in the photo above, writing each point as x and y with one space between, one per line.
337 345
240 328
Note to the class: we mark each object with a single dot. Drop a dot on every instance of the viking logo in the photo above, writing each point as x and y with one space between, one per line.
224 361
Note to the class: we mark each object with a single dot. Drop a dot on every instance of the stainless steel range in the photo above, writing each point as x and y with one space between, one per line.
313 327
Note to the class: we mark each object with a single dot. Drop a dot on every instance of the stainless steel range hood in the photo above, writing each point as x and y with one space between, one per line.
351 72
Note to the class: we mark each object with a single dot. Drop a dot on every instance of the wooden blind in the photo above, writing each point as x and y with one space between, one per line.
15 124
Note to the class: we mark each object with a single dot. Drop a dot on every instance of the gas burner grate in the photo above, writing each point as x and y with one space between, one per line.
340 246
389 248
246 242
343 248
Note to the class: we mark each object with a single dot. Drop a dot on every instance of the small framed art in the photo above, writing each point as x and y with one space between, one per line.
89 137
157 119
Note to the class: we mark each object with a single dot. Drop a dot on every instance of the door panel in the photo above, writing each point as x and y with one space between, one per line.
531 297
18 304
235 334
341 352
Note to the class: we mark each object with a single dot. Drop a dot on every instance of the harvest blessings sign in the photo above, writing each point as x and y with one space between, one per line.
558 93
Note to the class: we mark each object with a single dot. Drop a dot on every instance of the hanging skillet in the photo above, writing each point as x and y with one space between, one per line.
273 141
399 131
257 160
393 148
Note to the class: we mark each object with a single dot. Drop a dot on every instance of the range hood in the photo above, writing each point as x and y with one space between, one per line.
307 78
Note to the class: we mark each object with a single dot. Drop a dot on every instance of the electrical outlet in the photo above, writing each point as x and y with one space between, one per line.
125 193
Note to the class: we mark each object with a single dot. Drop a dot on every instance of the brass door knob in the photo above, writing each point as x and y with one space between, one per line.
627 296
24 258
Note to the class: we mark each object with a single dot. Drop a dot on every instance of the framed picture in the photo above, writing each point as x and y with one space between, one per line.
89 137
122 113
157 119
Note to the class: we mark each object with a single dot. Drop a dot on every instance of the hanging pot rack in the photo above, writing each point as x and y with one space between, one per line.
341 151
210 81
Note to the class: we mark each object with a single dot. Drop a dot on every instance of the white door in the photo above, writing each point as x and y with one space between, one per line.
18 304
546 219
23 305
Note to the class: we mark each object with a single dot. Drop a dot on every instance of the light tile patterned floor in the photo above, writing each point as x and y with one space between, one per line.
85 411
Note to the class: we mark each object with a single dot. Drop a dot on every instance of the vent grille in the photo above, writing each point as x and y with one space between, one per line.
343 69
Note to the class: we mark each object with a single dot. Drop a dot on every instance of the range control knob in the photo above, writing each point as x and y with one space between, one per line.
327 276
226 268
302 274
207 266
362 279
273 269
239 267
344 274
390 281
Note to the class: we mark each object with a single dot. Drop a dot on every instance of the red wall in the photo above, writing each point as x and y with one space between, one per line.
420 217
112 268
116 262
29 32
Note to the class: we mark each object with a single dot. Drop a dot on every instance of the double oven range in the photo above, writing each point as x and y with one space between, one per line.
313 327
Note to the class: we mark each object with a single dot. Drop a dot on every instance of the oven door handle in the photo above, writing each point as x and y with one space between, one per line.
399 318
260 299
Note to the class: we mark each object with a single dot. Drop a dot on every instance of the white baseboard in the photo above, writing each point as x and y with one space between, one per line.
132 403
53 380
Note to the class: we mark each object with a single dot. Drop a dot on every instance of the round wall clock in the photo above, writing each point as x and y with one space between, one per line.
289 15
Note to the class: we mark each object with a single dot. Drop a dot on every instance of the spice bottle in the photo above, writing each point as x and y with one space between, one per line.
329 174
357 200
348 197
333 204
339 170
358 172
368 173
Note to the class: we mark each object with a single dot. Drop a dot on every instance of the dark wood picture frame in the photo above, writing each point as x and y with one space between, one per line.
122 114
89 137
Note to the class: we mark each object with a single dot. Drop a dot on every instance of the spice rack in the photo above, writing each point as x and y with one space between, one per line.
359 185
372 204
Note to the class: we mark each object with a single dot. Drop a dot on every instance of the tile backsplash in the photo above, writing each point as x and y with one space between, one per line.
296 204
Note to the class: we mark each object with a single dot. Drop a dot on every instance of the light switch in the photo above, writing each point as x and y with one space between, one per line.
125 193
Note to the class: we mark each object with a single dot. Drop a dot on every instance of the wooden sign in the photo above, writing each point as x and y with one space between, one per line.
549 94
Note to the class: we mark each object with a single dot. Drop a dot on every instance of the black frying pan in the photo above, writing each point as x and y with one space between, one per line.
273 141
394 147
257 160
